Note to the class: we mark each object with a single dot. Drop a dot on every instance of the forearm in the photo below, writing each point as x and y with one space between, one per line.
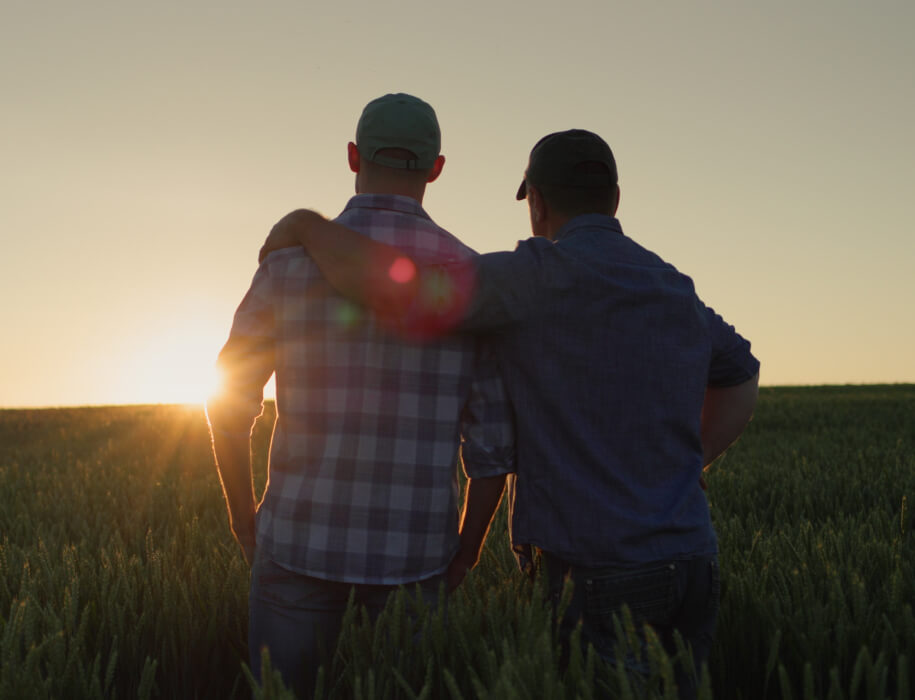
725 413
233 462
373 274
480 504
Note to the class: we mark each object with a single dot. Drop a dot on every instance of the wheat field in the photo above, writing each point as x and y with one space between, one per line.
119 578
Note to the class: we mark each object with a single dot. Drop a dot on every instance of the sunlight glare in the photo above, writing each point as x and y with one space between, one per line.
174 367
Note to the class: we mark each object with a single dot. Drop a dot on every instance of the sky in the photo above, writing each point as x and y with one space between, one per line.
764 149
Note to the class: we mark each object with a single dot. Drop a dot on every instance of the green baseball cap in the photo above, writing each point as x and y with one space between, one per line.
555 159
399 121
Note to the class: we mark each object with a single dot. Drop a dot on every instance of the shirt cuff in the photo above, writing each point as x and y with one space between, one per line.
480 463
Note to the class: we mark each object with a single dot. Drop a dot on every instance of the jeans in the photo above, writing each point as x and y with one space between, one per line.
681 595
298 618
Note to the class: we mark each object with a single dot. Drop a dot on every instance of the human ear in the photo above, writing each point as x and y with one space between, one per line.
353 157
536 204
436 169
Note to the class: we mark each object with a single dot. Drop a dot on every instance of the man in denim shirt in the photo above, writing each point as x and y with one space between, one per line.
625 386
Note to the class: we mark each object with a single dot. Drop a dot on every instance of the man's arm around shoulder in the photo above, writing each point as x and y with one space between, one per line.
486 293
373 274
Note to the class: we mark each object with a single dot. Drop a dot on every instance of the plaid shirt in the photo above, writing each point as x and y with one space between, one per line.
362 479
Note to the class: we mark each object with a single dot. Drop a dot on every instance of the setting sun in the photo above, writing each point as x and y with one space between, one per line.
174 367
176 370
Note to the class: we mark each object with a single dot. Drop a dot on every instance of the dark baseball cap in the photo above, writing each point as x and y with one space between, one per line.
399 121
555 159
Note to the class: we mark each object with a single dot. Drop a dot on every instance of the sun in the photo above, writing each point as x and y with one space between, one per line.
172 365
195 383
179 369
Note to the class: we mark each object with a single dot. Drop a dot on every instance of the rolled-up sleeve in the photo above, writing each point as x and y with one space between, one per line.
487 421
246 361
731 362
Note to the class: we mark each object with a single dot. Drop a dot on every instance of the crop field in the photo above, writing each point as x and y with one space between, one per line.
119 577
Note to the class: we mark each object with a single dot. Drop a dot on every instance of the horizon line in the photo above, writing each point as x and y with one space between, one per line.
201 404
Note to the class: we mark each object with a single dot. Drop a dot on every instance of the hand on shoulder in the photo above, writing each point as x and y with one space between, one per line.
288 231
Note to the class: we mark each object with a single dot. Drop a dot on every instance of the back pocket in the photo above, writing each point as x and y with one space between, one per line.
650 594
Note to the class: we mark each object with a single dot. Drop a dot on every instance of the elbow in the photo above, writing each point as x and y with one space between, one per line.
752 395
226 415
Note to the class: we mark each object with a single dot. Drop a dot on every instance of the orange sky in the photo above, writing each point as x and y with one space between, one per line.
766 150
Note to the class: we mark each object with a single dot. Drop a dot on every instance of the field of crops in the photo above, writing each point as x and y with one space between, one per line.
119 578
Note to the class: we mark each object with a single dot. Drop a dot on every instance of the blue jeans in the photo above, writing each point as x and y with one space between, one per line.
681 596
298 618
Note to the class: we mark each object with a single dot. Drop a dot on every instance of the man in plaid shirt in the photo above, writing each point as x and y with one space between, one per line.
362 489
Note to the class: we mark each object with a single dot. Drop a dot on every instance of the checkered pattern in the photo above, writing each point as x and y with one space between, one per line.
362 483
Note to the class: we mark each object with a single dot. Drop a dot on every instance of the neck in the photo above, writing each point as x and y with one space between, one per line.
413 193
406 187
553 224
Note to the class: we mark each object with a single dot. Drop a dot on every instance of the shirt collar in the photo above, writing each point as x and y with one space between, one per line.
589 221
392 202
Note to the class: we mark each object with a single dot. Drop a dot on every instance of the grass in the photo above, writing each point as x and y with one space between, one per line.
119 578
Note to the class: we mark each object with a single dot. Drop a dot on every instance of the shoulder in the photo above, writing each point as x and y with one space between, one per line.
448 242
418 236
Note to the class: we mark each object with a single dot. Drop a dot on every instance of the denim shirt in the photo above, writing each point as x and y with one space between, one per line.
606 352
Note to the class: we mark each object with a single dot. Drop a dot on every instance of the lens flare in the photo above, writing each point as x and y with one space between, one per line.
348 314
402 270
